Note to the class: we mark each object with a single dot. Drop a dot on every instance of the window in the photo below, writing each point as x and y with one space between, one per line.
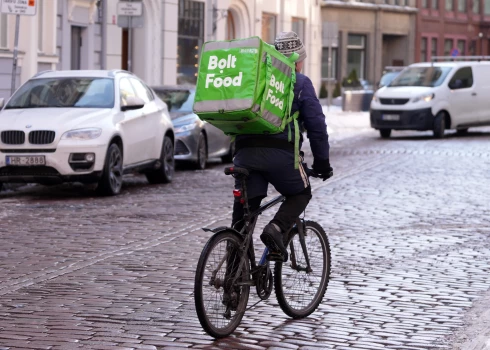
190 39
421 76
472 48
230 26
125 91
356 54
333 63
425 4
423 50
3 31
40 26
298 26
461 5
462 79
449 5
64 92
461 47
476 6
141 90
435 4
268 28
433 47
448 46
487 7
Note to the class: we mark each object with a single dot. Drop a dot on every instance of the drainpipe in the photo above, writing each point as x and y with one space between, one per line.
103 35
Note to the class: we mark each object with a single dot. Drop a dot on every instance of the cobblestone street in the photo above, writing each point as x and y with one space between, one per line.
407 218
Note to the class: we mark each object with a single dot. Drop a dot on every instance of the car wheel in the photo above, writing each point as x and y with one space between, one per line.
439 125
385 133
112 176
202 152
165 172
229 157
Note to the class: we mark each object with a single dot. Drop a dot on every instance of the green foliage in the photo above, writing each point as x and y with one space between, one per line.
352 80
336 90
323 91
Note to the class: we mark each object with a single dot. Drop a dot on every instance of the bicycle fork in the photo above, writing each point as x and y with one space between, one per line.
301 232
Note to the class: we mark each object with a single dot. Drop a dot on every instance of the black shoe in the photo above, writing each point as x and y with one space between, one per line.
273 239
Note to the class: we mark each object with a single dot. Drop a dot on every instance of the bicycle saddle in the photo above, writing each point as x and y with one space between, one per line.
236 171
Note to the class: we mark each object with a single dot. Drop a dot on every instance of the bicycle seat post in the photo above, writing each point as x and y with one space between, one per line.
246 208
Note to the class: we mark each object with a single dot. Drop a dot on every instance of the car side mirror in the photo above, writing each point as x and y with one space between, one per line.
2 102
133 102
457 84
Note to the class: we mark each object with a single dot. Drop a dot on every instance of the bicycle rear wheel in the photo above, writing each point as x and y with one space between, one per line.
220 296
298 291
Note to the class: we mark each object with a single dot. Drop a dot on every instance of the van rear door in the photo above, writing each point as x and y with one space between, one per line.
463 97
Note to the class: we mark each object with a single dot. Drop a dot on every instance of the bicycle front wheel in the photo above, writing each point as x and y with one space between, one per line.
220 288
300 290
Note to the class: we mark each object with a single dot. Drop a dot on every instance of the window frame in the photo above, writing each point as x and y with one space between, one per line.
269 15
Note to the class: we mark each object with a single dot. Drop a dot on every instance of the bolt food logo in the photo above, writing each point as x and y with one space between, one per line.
229 62
279 87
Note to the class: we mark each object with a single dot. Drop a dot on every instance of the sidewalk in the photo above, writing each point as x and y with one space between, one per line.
341 125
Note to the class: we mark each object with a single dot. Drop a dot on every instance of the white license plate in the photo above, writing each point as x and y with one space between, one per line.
25 160
391 117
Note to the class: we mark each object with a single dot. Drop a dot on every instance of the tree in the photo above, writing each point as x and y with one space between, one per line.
323 91
352 80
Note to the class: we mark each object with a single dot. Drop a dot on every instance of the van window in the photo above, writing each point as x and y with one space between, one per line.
465 75
421 76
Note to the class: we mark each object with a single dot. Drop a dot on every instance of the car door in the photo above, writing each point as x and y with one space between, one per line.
463 97
151 121
132 126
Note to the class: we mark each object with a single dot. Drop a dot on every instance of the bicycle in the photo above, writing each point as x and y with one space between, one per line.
227 268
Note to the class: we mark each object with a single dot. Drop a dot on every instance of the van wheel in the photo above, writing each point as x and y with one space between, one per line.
385 133
439 125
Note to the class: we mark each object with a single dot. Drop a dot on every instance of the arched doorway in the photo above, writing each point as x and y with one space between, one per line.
230 26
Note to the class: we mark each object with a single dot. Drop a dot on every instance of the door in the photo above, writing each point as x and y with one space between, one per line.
152 114
133 128
76 47
463 97
482 91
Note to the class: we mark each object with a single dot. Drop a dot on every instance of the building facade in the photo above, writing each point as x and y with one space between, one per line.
161 46
367 36
452 28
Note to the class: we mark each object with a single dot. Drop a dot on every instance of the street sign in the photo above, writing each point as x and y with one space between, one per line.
454 52
125 8
19 7
130 21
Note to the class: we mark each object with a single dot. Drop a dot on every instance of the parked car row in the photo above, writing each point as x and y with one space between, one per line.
95 126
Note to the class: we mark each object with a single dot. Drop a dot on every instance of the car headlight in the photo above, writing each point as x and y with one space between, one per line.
375 98
82 134
425 97
185 127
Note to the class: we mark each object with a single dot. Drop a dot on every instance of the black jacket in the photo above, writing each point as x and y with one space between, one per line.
311 119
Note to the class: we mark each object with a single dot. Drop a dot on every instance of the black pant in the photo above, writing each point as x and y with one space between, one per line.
285 217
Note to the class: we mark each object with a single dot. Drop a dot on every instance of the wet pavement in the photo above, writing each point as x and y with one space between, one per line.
407 220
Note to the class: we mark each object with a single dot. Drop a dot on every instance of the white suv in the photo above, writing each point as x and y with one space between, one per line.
89 126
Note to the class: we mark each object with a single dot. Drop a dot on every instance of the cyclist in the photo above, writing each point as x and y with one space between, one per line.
270 158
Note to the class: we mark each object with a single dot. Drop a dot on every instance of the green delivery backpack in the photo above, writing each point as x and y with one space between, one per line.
245 86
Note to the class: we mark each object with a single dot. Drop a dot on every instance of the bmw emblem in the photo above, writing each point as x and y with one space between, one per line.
28 126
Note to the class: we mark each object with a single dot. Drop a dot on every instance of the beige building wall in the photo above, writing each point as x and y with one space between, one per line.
389 31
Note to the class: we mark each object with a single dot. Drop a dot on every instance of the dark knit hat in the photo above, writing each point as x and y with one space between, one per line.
289 42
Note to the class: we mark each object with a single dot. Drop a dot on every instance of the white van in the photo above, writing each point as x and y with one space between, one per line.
434 96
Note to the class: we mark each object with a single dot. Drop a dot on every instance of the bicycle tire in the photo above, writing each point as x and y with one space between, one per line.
295 303
211 313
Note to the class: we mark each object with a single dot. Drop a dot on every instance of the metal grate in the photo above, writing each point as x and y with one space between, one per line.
41 137
181 148
13 137
393 101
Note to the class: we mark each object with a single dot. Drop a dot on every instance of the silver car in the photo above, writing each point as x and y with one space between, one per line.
195 140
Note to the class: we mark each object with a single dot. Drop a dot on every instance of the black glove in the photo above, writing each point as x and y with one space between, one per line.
322 167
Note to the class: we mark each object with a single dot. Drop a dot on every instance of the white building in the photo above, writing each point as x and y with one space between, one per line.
67 34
